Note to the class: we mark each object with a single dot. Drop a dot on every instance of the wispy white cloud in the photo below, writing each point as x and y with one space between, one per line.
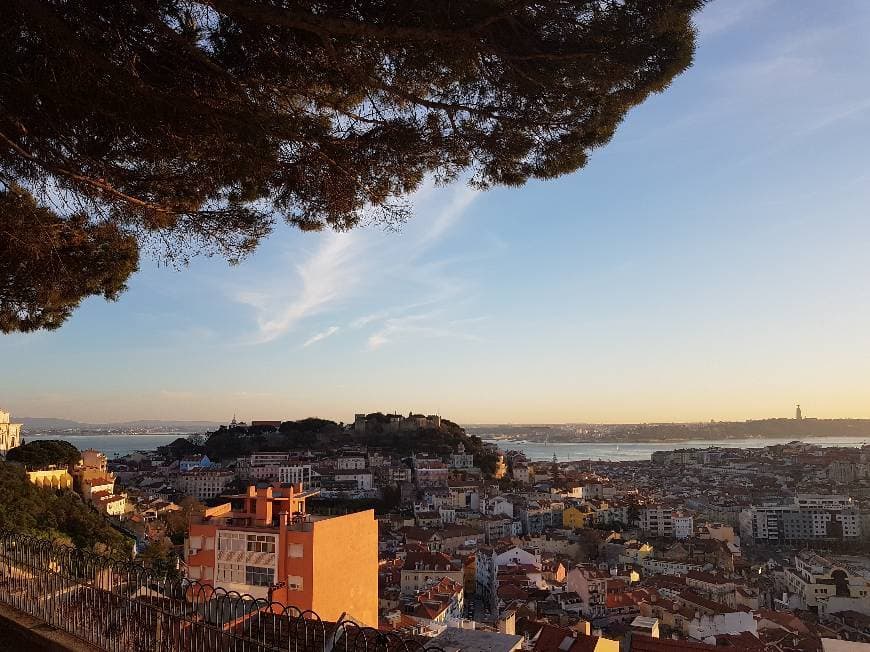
835 114
324 278
426 325
322 335
394 311
448 215
346 266
437 287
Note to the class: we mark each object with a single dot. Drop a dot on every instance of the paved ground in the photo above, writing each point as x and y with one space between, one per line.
9 639
20 633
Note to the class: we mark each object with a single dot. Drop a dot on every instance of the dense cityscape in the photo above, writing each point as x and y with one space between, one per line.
472 544
434 326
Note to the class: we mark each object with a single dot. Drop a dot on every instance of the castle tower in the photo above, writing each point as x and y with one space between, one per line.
10 433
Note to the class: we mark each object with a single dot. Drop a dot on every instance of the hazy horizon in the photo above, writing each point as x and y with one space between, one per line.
469 424
709 263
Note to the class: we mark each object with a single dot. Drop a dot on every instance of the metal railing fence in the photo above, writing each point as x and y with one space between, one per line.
122 606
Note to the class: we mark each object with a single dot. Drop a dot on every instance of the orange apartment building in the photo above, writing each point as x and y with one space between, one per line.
264 543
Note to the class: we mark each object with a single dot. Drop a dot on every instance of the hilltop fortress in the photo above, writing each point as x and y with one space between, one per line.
363 423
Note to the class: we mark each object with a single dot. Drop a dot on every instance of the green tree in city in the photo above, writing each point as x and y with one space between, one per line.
178 522
41 454
58 515
160 557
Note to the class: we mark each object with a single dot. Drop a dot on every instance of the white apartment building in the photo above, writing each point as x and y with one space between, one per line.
295 474
809 517
657 521
707 624
609 513
489 560
204 484
498 506
246 562
822 501
593 490
92 487
363 479
522 473
261 466
656 566
264 458
350 463
112 505
815 580
460 459
684 526
591 585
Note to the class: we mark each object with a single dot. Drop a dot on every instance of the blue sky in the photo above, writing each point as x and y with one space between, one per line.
712 262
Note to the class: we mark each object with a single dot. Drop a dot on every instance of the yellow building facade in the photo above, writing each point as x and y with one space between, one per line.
51 479
573 518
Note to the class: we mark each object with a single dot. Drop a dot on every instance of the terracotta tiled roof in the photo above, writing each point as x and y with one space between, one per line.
647 644
431 561
559 639
786 621
709 578
511 592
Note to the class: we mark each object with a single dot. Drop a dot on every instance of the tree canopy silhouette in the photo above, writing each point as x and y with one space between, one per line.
41 454
48 263
191 126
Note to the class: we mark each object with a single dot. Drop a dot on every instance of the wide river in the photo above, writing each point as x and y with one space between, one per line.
626 451
118 445
110 445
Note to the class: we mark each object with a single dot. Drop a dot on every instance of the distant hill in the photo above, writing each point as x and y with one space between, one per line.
52 423
708 431
47 423
157 423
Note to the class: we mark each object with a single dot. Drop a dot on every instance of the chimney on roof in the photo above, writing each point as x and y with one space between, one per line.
583 627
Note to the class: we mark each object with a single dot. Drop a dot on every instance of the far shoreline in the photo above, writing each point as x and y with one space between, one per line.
785 438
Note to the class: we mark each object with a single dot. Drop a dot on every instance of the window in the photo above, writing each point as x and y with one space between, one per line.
295 550
234 573
261 543
294 583
259 576
231 541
